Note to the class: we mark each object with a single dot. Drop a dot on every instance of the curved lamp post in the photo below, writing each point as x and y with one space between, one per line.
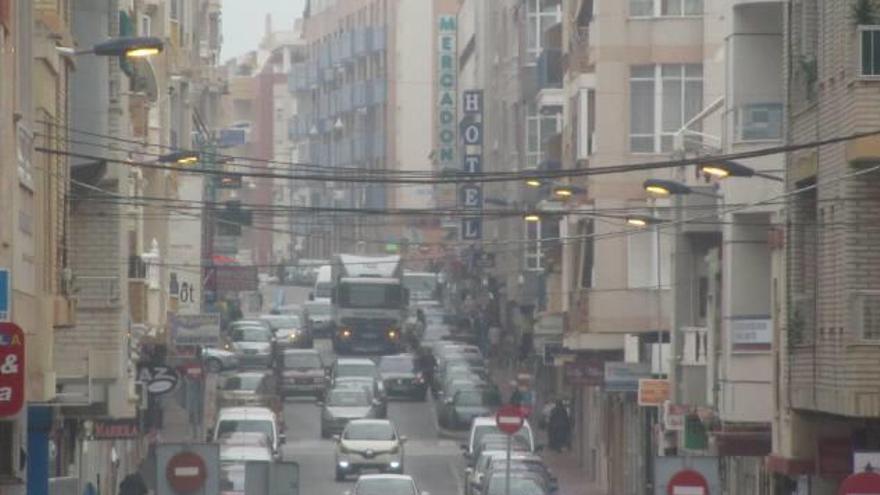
728 168
131 47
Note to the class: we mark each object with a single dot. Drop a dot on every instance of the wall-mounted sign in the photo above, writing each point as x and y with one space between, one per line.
12 369
236 278
447 78
653 392
115 429
624 377
201 330
585 372
158 380
752 333
471 195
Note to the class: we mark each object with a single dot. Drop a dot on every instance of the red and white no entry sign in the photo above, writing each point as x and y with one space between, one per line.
867 483
509 419
186 472
687 482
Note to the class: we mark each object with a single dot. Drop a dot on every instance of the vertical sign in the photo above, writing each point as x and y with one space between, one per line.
11 369
5 292
447 79
471 195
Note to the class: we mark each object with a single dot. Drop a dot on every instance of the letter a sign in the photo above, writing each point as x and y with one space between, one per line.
11 369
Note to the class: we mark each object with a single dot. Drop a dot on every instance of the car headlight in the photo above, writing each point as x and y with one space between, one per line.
344 464
293 335
345 333
393 333
394 464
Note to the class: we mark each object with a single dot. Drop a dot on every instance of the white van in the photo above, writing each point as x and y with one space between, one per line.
232 420
324 284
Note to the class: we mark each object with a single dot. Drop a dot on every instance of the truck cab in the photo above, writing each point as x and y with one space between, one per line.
369 304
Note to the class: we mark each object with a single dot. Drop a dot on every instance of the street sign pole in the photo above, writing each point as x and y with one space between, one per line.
507 470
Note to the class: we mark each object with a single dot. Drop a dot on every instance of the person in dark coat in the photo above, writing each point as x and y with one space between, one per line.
133 484
558 427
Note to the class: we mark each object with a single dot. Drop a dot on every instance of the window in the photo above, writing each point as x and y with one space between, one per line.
538 127
587 253
648 260
534 254
869 50
665 8
540 18
653 121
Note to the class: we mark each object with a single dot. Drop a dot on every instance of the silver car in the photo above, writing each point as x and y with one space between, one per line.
253 345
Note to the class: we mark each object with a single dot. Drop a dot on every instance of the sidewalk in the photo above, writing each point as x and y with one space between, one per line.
572 479
176 425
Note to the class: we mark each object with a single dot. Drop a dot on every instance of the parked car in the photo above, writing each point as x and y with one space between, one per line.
289 330
343 405
355 367
231 420
493 459
369 444
253 345
218 360
385 484
249 388
301 371
486 426
401 378
460 409
521 483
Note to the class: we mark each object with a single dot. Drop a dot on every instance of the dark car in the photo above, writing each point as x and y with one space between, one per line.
532 467
289 330
460 409
401 378
521 483
371 386
301 371
318 318
342 405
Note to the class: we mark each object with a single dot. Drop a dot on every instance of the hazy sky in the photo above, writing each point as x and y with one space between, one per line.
243 22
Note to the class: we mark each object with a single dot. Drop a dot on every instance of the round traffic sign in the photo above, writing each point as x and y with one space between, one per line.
509 419
867 483
186 472
687 482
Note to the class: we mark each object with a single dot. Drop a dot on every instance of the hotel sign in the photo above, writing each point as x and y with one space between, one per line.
471 195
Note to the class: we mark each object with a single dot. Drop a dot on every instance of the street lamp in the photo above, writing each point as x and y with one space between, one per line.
728 168
533 182
565 192
532 218
130 47
180 157
661 187
642 221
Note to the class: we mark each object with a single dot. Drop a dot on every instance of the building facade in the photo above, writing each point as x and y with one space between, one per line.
825 407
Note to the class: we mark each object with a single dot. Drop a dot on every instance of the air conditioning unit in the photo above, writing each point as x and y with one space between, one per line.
64 311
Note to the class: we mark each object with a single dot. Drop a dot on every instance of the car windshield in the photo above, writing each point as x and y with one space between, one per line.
370 295
370 431
478 398
289 321
397 365
243 382
230 426
518 486
254 335
323 289
385 486
355 370
347 398
302 361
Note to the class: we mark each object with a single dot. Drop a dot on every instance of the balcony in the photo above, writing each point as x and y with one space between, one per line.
759 122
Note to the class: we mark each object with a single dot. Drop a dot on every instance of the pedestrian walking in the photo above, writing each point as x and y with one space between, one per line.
559 427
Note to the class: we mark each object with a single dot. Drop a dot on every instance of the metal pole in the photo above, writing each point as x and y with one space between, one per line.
507 468
678 315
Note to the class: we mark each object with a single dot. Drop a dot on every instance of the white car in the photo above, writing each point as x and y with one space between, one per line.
486 425
385 484
233 420
369 444
244 453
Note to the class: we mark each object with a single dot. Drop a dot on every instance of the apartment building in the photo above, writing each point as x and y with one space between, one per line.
825 402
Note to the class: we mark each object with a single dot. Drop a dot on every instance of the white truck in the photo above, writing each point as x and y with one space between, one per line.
369 303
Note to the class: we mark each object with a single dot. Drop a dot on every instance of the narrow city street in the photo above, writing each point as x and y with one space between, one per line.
436 462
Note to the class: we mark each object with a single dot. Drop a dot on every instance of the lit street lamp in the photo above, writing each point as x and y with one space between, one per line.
532 218
131 47
533 182
728 168
642 221
565 192
180 157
